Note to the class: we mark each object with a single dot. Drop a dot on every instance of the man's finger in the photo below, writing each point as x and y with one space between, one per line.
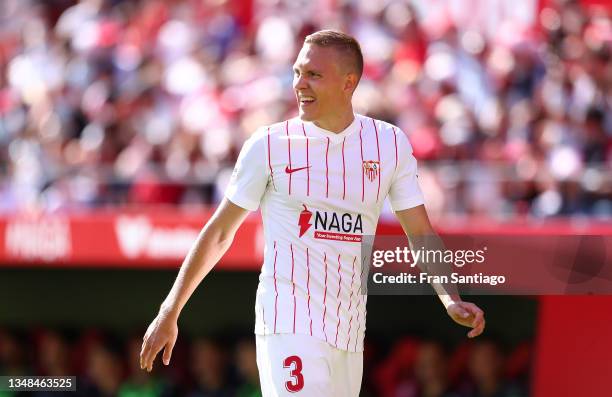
168 352
143 352
149 355
477 330
473 310
144 357
152 357
481 327
478 318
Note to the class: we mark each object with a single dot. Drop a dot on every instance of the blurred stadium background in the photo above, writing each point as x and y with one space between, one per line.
120 122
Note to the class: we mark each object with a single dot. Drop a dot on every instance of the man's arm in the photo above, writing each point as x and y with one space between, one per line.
211 244
415 223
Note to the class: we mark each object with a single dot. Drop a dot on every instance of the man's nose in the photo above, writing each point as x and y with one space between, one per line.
299 82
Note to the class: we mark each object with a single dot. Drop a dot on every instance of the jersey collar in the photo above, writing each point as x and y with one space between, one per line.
312 129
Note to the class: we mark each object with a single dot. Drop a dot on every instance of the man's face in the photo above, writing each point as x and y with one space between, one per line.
320 82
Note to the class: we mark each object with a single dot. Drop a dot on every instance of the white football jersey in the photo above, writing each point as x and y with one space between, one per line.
319 193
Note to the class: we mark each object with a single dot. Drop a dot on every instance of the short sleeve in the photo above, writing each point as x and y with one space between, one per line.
250 177
405 192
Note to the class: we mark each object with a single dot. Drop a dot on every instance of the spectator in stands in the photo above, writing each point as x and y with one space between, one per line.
430 377
246 363
12 359
396 371
209 370
486 368
53 354
12 356
104 372
431 371
141 383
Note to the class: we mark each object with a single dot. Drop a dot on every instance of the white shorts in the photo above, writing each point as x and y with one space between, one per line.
293 364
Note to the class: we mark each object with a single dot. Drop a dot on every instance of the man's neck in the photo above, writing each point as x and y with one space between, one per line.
338 124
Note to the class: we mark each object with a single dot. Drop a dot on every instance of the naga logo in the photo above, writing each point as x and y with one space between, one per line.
331 226
304 221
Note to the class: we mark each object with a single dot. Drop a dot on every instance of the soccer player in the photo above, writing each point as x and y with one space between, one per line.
320 180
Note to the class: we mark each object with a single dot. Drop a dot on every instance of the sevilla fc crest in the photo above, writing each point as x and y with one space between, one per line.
371 169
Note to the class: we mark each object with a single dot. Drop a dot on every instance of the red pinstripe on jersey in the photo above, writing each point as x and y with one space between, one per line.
307 163
275 289
362 172
270 162
289 151
351 305
308 287
379 164
338 299
327 170
358 312
293 290
395 139
325 294
343 171
358 324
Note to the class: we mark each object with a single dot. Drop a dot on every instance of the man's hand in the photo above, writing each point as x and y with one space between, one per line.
162 333
468 315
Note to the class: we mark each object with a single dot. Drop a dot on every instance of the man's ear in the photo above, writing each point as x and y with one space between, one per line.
350 82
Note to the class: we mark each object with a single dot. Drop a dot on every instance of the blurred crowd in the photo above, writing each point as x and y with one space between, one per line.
111 102
108 366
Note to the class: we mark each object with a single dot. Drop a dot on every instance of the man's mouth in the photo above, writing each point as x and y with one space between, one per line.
306 100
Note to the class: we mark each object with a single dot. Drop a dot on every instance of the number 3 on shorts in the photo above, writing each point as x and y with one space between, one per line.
297 383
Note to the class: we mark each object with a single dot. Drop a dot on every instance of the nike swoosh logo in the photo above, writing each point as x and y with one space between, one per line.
292 170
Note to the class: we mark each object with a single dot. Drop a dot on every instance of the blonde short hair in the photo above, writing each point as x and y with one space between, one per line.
342 42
